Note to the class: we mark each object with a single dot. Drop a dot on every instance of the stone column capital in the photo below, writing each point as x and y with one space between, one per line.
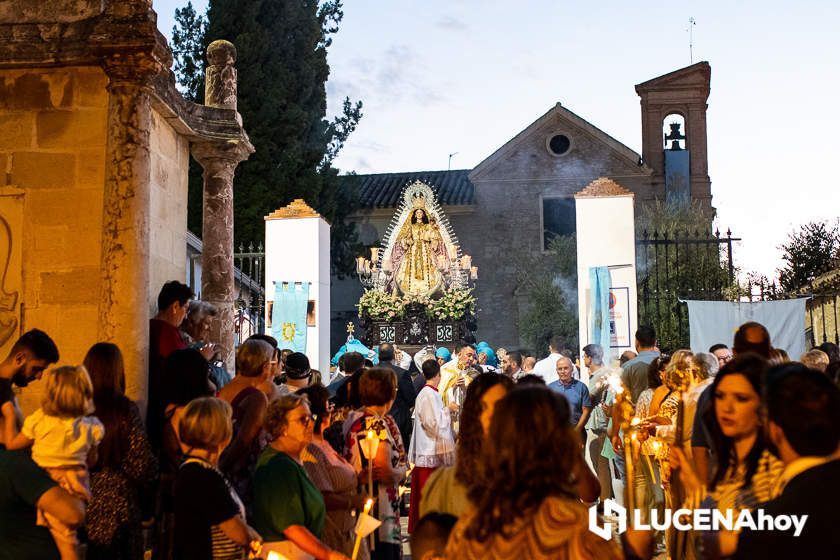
135 68
221 156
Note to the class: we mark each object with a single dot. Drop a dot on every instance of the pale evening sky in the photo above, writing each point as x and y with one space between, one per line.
444 76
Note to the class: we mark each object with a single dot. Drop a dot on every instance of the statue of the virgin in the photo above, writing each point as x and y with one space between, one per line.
418 248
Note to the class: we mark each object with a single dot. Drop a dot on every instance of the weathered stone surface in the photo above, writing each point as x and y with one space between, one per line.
220 76
77 286
64 11
60 128
17 130
26 91
43 170
90 170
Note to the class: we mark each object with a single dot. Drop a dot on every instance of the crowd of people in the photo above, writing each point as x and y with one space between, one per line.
490 452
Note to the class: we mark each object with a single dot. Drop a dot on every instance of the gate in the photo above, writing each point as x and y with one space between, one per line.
249 275
672 267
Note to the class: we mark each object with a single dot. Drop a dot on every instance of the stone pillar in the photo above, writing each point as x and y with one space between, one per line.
125 291
217 281
219 161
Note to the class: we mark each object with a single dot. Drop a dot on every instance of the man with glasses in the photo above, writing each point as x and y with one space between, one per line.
722 353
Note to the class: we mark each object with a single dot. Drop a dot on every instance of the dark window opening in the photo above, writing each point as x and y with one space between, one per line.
558 218
559 144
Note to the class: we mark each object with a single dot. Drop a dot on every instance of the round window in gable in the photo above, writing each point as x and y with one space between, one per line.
559 144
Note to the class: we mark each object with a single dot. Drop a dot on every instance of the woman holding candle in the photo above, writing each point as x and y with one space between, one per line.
377 391
333 476
746 473
289 511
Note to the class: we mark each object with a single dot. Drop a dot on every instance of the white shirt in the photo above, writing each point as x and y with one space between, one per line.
432 439
62 442
547 368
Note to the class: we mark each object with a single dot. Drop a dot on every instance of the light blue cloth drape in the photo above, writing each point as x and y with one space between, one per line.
599 316
288 317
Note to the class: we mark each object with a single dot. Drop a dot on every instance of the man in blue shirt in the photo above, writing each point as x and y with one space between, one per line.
576 393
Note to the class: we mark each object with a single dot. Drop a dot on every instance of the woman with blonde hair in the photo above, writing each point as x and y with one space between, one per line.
63 437
209 516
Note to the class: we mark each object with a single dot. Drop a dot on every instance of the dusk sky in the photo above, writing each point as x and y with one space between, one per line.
444 76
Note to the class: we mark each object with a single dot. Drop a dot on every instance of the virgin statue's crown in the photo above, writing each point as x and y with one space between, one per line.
419 200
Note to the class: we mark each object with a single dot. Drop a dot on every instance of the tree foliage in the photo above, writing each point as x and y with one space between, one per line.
549 285
282 69
810 250
188 51
679 259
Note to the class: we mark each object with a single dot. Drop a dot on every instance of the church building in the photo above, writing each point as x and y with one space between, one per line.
538 172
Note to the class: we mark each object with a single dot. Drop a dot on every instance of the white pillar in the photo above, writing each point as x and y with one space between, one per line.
297 249
606 237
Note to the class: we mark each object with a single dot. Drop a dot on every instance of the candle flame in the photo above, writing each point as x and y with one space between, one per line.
368 505
276 556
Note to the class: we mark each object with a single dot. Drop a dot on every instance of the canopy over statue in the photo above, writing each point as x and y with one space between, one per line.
418 270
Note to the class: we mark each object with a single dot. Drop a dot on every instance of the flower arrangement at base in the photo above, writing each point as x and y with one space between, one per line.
381 306
453 305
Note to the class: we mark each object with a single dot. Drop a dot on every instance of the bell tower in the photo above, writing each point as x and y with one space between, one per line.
674 133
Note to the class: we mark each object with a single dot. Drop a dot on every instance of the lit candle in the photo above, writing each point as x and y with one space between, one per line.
467 262
360 264
276 556
374 254
359 537
367 267
474 273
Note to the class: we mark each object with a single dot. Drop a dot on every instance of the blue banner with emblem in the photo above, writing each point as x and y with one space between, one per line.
288 316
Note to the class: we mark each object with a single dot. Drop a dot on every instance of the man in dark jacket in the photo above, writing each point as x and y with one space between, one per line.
406 394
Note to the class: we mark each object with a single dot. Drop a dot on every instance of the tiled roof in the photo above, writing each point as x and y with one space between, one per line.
382 190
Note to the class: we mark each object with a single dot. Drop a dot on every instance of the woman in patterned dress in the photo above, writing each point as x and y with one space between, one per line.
125 465
377 391
333 476
746 472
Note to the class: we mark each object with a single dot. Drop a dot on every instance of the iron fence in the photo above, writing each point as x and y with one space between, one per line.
249 272
675 266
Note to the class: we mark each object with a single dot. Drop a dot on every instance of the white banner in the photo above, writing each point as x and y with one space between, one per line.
713 322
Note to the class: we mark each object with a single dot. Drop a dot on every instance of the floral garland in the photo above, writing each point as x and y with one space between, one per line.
453 305
381 306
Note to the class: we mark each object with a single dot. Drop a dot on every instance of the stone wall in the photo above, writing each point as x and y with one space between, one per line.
170 155
52 148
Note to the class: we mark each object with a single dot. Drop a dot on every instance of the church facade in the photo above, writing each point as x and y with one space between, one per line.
537 172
